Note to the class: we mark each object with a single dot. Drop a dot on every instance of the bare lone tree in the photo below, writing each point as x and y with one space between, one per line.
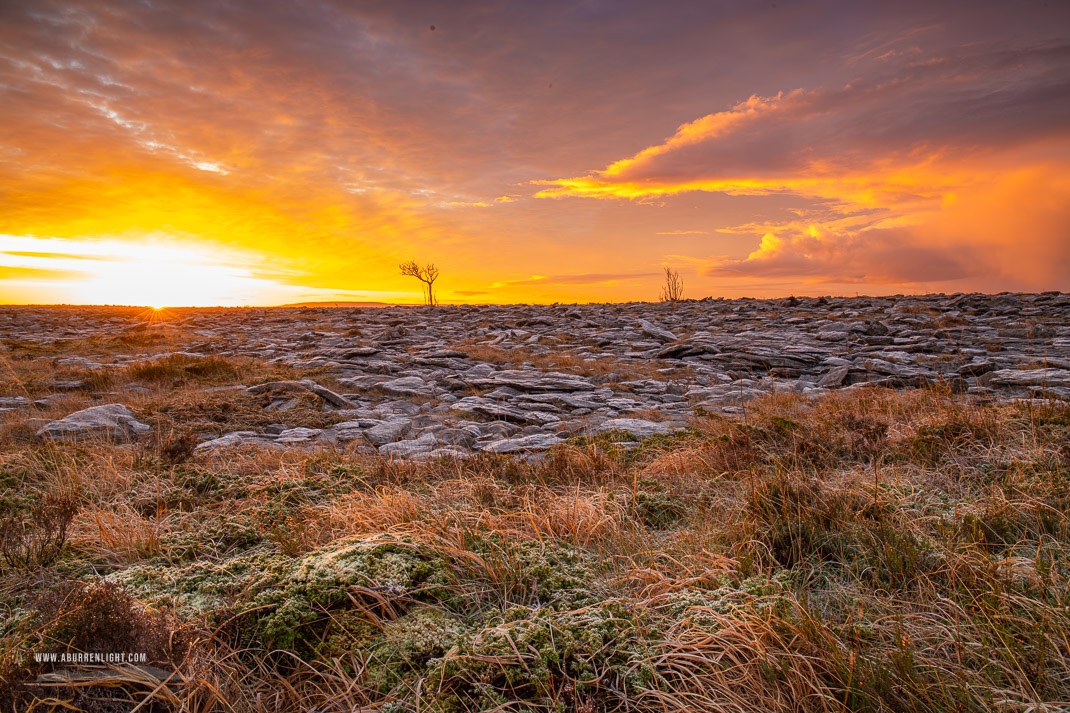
673 291
426 274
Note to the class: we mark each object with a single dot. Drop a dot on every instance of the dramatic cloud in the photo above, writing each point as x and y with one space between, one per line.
880 134
885 160
1011 233
328 141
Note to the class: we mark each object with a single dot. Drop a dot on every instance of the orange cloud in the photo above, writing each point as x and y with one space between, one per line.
896 170
1008 232
312 147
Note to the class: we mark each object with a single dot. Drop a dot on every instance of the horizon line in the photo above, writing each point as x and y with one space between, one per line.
344 304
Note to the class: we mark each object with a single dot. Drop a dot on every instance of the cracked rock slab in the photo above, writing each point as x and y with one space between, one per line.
408 386
522 444
1030 377
655 332
530 380
640 428
274 388
388 432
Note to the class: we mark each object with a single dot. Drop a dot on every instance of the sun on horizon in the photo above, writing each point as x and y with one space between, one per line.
184 155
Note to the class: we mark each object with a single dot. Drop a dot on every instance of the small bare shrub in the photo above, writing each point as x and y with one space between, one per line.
102 617
36 541
673 290
174 447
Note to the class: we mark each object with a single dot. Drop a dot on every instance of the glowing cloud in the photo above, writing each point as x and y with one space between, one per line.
886 164
299 151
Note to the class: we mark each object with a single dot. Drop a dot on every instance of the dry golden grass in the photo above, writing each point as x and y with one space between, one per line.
871 551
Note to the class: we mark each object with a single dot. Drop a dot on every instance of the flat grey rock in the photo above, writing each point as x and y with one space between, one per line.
408 386
111 422
225 389
442 452
1030 377
532 380
472 375
656 332
232 440
366 382
637 427
522 444
405 449
305 385
15 402
388 432
502 411
297 436
833 377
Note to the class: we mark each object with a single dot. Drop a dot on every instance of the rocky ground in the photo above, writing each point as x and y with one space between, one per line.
417 383
801 506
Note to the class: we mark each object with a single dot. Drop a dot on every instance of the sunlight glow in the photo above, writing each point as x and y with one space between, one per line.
157 271
146 272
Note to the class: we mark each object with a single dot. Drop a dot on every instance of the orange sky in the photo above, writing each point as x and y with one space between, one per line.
196 152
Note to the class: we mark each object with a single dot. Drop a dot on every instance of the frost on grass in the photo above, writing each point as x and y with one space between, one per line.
881 552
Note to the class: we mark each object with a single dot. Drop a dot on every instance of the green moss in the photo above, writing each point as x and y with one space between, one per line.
535 572
291 602
606 440
212 539
13 619
202 586
784 425
658 510
291 607
525 654
420 635
349 631
706 609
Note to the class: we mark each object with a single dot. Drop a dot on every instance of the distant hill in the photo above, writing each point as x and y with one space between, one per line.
340 304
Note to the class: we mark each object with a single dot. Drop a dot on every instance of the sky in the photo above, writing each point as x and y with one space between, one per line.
204 152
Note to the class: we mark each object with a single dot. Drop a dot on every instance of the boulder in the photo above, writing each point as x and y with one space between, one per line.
110 422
